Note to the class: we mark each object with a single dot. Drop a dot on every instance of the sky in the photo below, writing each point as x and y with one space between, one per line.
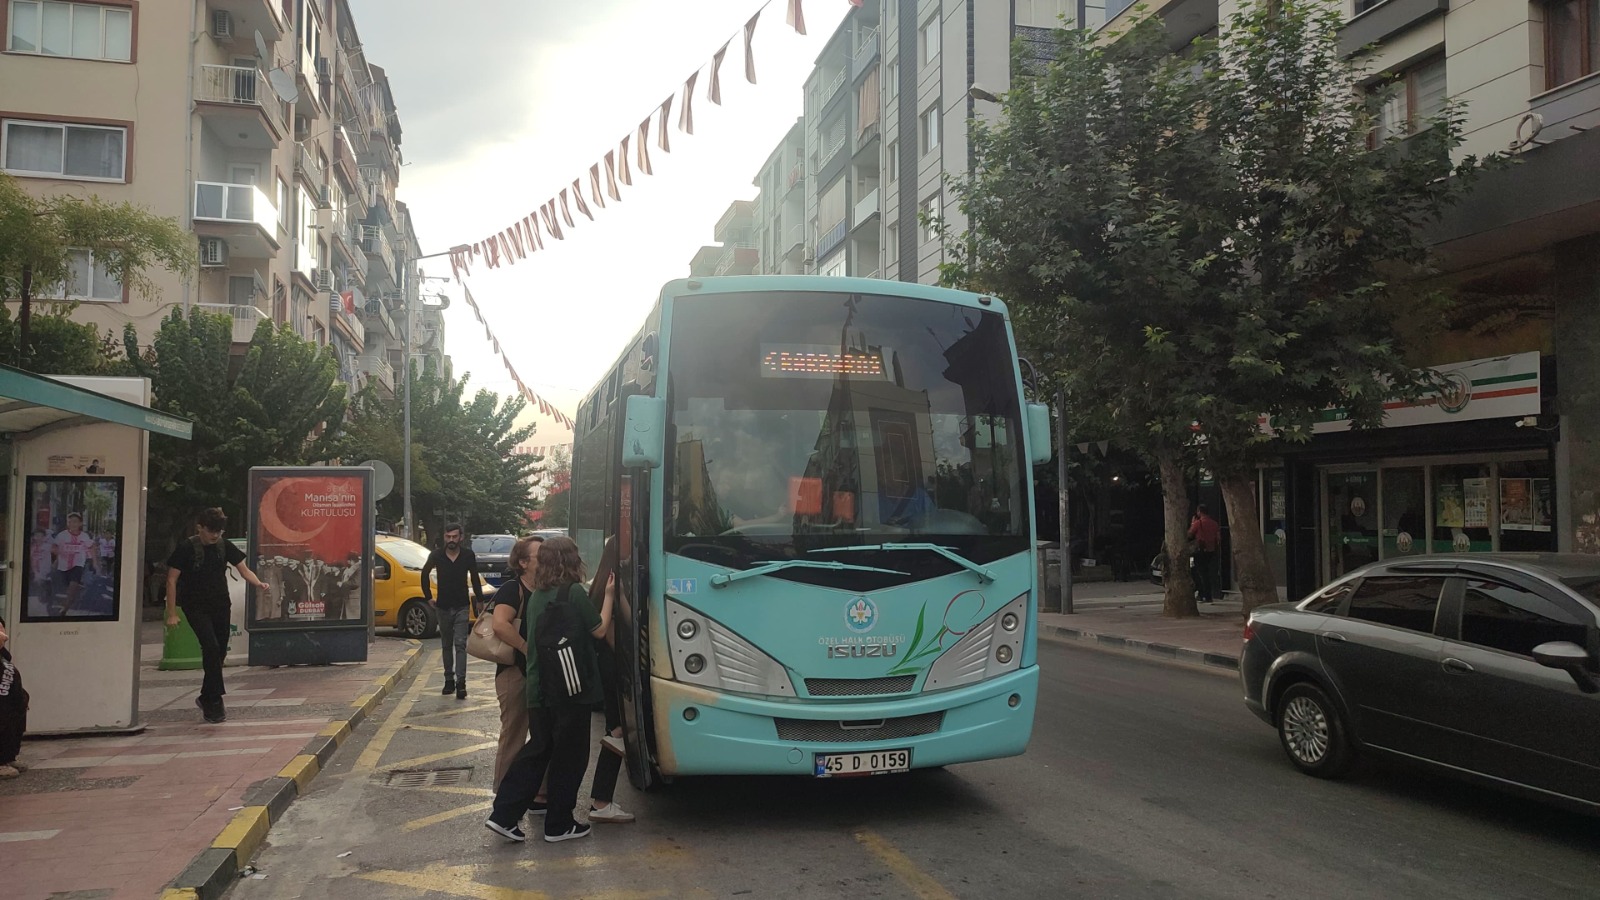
504 102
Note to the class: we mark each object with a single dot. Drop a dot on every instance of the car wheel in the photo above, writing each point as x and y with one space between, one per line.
1313 733
417 620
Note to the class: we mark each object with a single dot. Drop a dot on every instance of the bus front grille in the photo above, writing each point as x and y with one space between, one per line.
858 687
833 731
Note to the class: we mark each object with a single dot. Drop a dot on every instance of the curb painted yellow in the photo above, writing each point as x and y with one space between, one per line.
336 730
180 894
245 833
302 769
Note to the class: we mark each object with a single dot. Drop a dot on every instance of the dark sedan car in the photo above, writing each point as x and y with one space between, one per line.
1485 666
494 554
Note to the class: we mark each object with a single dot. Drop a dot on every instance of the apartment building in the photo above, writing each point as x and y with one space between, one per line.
258 124
842 127
1510 459
780 220
735 252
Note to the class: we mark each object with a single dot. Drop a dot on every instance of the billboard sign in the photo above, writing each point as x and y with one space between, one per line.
311 539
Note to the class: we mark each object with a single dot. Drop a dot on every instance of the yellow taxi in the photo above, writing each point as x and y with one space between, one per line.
397 588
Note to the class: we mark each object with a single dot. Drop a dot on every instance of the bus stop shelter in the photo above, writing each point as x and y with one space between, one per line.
76 452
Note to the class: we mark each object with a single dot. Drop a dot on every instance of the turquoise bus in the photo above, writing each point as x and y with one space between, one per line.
816 495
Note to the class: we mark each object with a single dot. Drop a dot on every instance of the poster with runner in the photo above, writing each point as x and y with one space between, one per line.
310 539
69 571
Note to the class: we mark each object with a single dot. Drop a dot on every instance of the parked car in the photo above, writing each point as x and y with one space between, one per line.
494 555
1485 666
397 588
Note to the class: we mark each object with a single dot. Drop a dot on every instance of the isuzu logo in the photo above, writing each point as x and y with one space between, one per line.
862 651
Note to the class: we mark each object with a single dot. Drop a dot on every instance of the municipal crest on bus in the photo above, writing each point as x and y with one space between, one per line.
860 615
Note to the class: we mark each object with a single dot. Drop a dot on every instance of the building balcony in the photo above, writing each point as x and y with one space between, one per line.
250 16
831 149
347 321
376 245
379 370
239 213
347 242
833 88
245 318
241 106
867 140
794 242
867 209
307 167
739 258
376 316
832 238
344 156
866 55
797 178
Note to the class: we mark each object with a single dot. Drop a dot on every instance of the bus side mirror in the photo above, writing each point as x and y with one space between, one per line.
644 432
1039 433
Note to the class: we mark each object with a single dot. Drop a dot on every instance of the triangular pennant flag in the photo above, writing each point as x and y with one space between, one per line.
1083 447
749 57
516 241
624 173
1104 446
662 139
496 342
577 197
594 186
611 175
714 90
550 224
566 212
686 115
796 17
532 221
644 147
505 248
491 251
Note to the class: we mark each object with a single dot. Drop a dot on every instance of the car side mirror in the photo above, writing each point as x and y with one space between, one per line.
644 433
1570 658
1038 433
380 572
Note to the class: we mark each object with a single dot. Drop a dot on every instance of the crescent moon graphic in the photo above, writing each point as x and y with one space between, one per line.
272 522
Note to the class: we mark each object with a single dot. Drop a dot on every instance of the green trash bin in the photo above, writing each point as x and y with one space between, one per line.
180 648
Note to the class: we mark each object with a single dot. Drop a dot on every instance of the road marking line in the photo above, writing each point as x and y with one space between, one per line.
435 757
466 791
447 815
455 711
373 752
455 881
469 732
11 837
921 883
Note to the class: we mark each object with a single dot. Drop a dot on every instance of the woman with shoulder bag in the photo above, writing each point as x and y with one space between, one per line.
510 681
559 623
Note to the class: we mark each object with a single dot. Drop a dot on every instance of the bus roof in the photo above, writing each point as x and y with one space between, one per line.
832 284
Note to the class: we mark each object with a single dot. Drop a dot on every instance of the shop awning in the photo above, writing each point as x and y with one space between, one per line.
29 402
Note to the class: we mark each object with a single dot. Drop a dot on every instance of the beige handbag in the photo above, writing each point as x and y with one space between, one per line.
483 643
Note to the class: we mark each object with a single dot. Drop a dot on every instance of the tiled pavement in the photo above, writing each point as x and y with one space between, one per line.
117 817
1127 616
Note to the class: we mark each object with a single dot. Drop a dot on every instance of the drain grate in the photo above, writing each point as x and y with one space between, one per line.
415 778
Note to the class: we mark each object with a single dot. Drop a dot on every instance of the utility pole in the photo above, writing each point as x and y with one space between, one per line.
1064 504
405 294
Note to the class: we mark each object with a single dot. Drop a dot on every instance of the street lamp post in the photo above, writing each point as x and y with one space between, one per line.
405 462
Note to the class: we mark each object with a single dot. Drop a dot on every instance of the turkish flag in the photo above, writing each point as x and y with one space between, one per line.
347 299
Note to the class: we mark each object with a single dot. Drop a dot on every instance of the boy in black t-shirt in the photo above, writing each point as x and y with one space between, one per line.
197 581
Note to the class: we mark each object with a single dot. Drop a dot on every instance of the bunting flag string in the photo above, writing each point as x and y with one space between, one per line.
505 248
533 399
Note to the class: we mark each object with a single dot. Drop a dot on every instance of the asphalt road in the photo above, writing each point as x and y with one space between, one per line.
1144 779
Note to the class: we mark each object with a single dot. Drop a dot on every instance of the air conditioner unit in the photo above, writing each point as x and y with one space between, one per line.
325 197
322 278
222 25
324 68
213 252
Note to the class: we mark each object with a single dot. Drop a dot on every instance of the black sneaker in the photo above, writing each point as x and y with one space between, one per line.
578 830
213 712
461 692
514 833
449 687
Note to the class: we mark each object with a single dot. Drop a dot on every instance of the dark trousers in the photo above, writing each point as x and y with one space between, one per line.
608 766
1205 567
13 719
558 741
454 623
211 626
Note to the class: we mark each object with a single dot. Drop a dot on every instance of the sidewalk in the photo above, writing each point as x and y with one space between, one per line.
124 817
1127 615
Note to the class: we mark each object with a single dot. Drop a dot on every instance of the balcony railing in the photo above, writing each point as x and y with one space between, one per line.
866 208
376 244
797 176
376 314
866 54
832 238
216 201
378 368
337 313
245 318
306 164
834 86
795 240
240 86
730 256
833 147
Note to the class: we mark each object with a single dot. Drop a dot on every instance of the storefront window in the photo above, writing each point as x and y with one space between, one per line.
1461 509
1275 521
1352 521
1405 507
1527 510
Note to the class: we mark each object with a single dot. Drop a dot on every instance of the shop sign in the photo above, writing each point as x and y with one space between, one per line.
1498 387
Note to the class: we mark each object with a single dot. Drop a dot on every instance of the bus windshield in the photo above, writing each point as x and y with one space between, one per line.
816 420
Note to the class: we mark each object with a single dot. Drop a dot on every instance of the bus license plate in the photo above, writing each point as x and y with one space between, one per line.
877 762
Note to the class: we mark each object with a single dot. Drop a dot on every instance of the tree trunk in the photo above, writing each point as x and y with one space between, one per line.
1179 584
1257 585
25 319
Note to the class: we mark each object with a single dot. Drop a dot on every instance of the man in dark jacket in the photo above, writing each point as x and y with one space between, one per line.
454 564
13 710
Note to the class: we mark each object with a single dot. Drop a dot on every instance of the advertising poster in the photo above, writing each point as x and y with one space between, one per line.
1543 514
1516 504
1450 510
311 541
70 571
1476 502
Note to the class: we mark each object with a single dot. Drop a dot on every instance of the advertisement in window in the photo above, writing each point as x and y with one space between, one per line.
310 539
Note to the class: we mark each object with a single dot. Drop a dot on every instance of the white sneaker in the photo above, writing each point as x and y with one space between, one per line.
614 744
613 814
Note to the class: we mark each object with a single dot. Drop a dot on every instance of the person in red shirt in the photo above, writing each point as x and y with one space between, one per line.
1207 537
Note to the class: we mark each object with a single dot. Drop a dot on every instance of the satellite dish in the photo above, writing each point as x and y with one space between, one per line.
261 46
283 86
382 478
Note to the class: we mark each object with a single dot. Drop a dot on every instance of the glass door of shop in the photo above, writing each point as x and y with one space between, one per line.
1350 509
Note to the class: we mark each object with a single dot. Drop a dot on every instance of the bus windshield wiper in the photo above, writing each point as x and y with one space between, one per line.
984 575
723 579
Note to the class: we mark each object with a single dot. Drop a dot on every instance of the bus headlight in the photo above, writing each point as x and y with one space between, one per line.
707 653
991 647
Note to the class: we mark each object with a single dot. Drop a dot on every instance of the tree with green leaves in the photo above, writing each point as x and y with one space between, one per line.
45 241
463 452
1192 241
280 404
61 345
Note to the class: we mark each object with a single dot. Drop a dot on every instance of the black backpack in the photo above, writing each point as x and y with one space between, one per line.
564 650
